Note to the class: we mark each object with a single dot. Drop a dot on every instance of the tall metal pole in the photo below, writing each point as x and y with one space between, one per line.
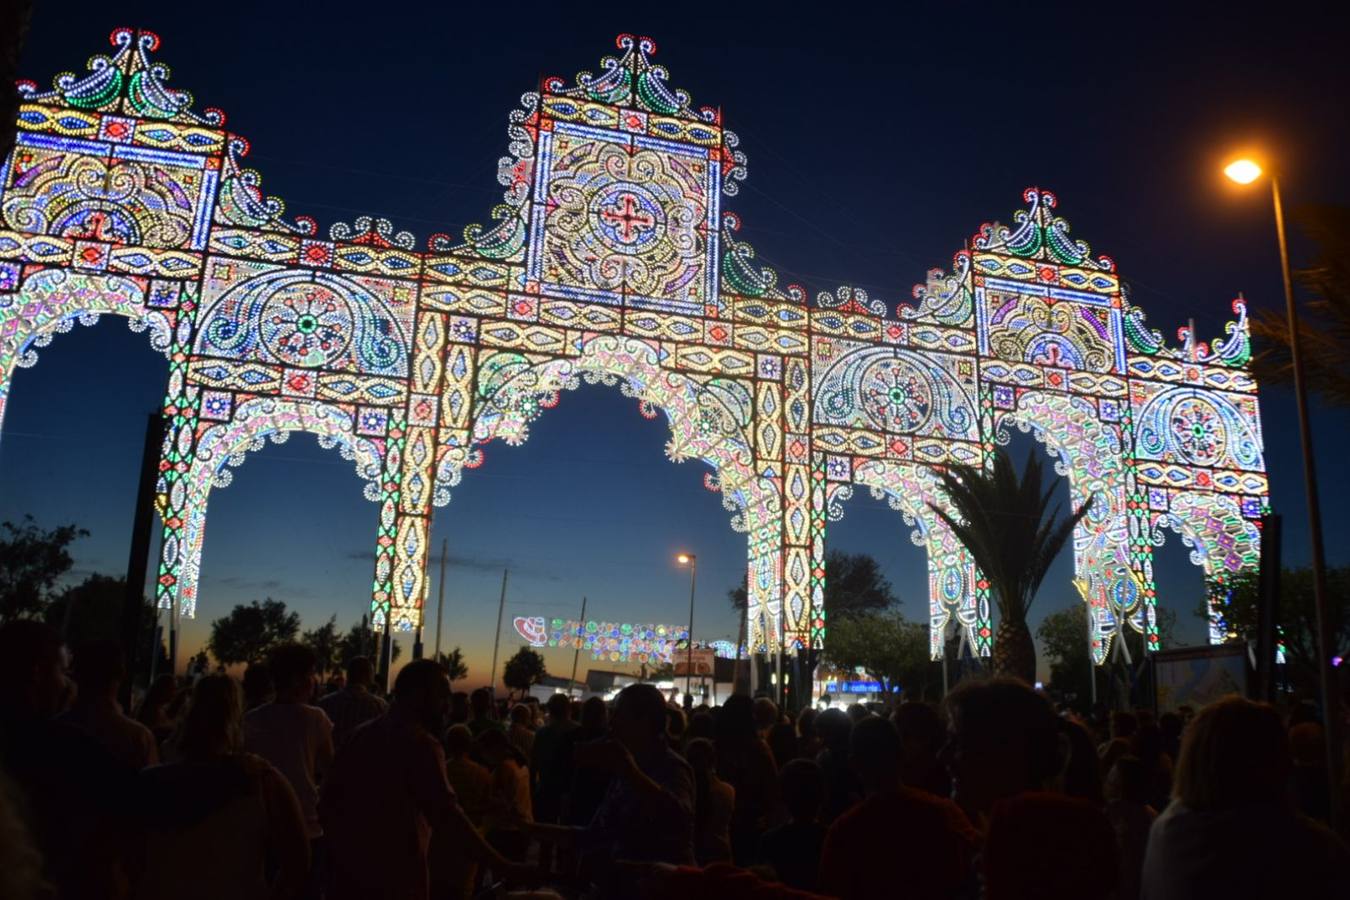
440 597
1331 706
576 652
689 673
1092 663
496 642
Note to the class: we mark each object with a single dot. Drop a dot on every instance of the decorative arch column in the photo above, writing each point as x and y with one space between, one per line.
223 446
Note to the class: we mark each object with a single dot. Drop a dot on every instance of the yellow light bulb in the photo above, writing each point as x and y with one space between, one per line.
1243 171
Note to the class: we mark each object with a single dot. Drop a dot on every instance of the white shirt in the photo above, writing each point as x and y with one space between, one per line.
293 737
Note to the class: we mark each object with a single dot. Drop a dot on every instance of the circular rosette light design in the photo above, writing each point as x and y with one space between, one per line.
897 391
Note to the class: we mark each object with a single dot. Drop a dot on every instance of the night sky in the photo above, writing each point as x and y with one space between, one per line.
876 147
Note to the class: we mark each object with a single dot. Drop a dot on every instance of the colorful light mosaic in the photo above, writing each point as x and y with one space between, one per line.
612 260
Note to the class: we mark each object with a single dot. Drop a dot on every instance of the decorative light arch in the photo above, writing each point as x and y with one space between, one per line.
611 256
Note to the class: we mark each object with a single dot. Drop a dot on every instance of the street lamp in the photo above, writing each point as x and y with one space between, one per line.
690 560
1246 171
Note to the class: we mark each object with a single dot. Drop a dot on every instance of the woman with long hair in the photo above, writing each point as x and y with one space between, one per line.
744 760
1231 829
218 818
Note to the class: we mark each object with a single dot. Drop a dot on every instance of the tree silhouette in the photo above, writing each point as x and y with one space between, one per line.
326 644
524 670
31 562
1013 535
249 632
454 664
854 585
362 640
92 610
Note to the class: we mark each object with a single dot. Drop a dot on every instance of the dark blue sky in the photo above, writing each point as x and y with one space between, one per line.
877 145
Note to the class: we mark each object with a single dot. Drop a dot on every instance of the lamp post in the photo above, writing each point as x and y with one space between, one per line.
1246 171
690 560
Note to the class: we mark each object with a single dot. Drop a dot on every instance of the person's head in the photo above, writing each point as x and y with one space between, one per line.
496 747
99 668
559 708
258 684
921 734
675 724
1147 744
702 725
783 743
214 724
701 756
1234 754
736 722
458 741
806 724
834 727
639 721
1128 781
521 715
158 695
459 708
857 712
32 664
803 789
1003 739
1123 723
766 713
593 715
480 702
360 672
874 752
294 671
1080 776
422 692
1306 746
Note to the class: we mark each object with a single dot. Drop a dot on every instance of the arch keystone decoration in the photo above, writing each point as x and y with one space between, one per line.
613 257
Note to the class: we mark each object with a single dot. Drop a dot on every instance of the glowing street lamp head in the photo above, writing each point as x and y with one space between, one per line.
685 559
1243 171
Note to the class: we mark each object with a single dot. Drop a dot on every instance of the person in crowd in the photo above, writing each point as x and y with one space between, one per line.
922 734
20 862
74 794
648 810
550 761
676 725
1048 846
521 732
388 790
1231 830
1123 726
1003 739
782 742
259 687
766 716
856 712
793 849
459 709
154 711
895 829
1080 774
296 737
745 762
218 822
509 807
842 789
714 802
588 783
1146 744
353 705
701 725
1308 780
481 717
1131 817
99 670
1170 724
452 869
808 742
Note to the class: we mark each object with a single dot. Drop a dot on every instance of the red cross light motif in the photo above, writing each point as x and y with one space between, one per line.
627 217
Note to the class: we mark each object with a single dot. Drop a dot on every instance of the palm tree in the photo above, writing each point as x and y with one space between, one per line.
1012 534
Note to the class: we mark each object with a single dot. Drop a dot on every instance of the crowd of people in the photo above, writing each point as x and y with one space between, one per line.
275 786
